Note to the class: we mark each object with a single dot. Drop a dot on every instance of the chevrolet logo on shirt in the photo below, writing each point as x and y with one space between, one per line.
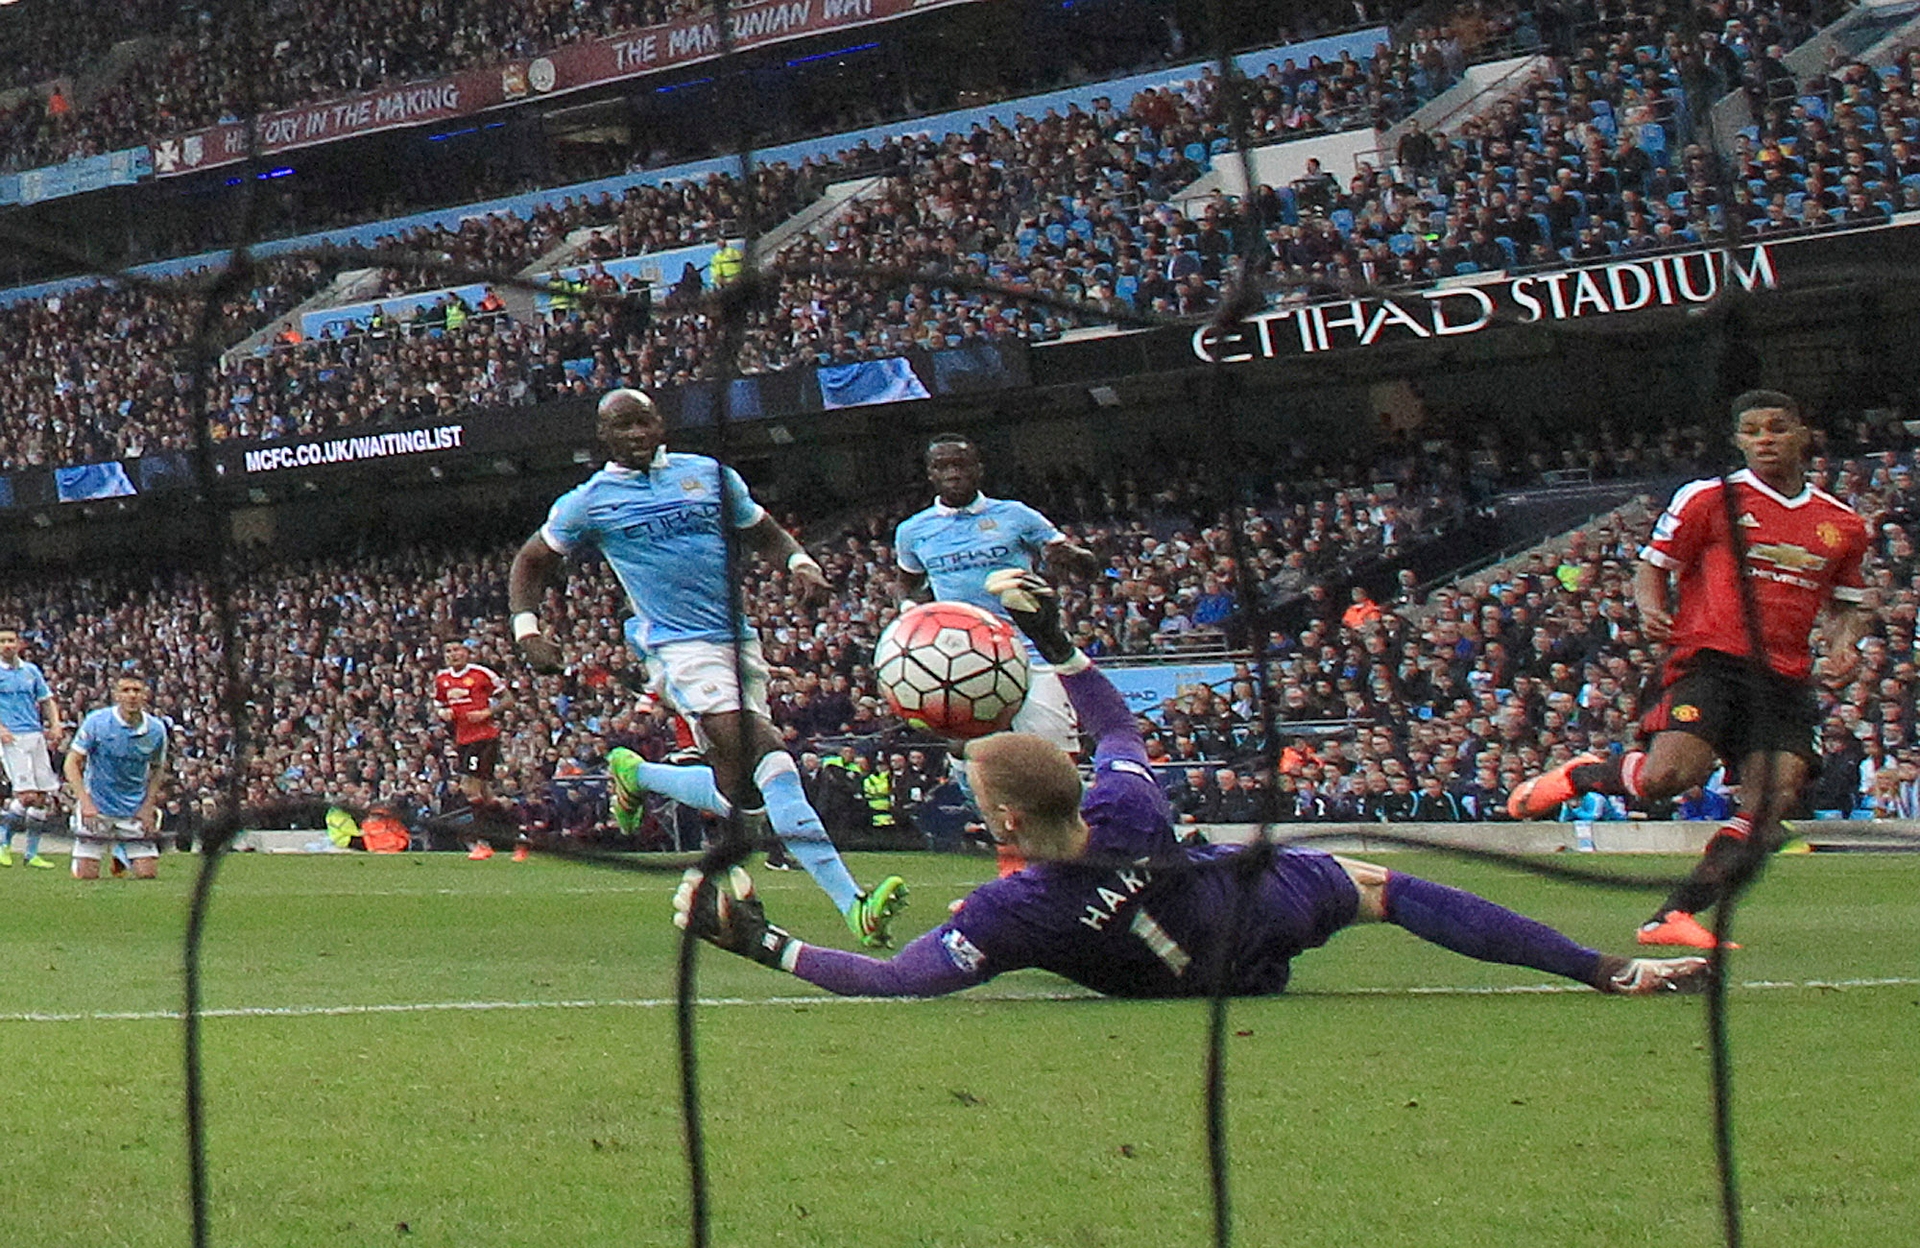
1786 555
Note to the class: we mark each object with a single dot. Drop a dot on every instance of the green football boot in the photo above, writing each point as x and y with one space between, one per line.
629 796
872 915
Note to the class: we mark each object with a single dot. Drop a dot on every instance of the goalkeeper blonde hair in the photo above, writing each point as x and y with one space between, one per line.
1037 785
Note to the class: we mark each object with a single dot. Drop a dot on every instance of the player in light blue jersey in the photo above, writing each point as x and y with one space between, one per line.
660 519
948 551
29 724
115 767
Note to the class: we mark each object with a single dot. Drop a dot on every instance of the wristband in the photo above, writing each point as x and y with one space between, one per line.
799 557
525 625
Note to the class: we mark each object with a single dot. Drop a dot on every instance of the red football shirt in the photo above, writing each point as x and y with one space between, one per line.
469 689
1801 551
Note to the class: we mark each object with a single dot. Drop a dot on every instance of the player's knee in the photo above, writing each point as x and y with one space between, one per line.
1664 778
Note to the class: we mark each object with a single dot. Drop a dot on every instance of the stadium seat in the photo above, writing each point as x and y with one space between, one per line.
1197 153
1401 244
1653 138
1511 248
1466 266
1342 219
1678 201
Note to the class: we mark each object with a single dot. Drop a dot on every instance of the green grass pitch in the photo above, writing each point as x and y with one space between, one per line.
425 1051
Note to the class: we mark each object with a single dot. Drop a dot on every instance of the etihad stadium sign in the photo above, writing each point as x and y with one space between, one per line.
1678 279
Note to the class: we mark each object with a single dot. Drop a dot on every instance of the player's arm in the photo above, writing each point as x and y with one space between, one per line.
1845 626
50 716
765 537
148 816
75 768
1650 598
1063 556
535 565
733 919
916 585
1103 713
1679 536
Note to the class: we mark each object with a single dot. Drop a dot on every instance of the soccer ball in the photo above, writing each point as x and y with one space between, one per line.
952 669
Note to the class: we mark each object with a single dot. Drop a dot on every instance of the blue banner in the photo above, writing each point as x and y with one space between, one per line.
76 177
1146 688
90 481
870 382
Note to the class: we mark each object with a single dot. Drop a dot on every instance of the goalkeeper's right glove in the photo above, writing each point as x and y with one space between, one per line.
736 923
1035 607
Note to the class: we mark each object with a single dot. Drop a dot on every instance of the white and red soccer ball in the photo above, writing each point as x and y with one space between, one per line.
952 669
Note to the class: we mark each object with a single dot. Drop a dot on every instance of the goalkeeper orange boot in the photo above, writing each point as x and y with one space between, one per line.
522 852
1677 927
480 852
1541 796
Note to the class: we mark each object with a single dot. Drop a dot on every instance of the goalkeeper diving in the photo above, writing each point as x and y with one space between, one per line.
1111 900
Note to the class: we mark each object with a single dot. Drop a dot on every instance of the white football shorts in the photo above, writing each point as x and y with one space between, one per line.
29 770
94 838
698 677
1047 712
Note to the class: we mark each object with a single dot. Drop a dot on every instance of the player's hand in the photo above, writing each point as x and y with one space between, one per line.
1656 624
812 584
734 922
1071 558
542 654
1035 607
6 738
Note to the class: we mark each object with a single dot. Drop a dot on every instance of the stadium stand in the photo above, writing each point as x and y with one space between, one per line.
1472 683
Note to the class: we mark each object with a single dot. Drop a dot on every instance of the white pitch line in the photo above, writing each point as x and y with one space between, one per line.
656 1003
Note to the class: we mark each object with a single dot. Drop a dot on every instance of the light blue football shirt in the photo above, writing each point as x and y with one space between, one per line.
120 758
22 689
660 531
957 547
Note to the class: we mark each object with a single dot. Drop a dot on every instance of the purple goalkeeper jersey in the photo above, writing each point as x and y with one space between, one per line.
1149 921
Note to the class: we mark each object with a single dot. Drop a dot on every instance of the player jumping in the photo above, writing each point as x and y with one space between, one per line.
1113 903
1803 549
657 518
948 550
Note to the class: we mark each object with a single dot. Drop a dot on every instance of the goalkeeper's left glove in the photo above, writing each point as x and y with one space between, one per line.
736 922
1035 607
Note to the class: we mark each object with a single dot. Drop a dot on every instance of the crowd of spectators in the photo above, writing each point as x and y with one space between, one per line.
207 70
1433 709
1842 151
100 372
1417 706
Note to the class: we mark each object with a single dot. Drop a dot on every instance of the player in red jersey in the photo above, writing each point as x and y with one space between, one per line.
1803 550
465 692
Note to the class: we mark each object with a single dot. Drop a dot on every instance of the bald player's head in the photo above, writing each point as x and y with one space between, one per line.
631 427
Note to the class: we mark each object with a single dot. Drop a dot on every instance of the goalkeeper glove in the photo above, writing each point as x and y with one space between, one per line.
736 923
1035 607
